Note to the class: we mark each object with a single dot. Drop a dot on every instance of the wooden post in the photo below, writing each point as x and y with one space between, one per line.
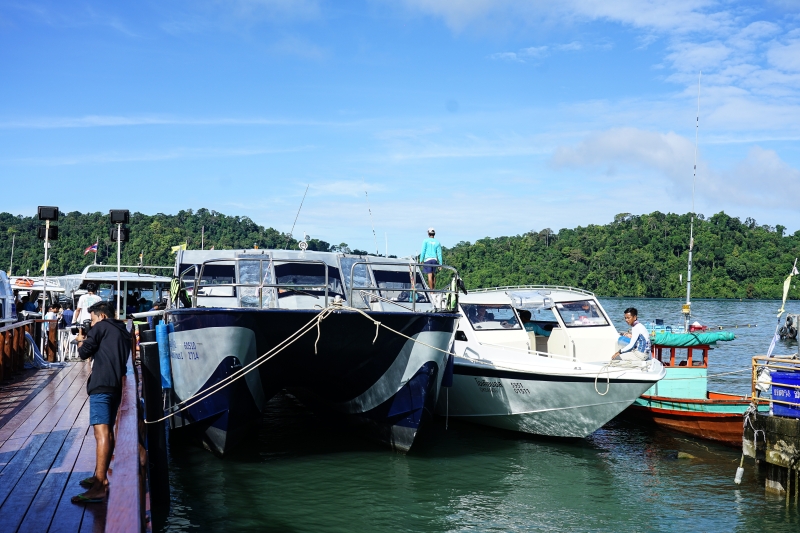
52 340
8 355
3 363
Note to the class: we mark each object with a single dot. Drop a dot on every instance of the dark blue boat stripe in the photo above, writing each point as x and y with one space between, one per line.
487 372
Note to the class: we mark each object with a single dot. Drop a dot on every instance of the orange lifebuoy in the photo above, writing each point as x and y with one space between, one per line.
25 282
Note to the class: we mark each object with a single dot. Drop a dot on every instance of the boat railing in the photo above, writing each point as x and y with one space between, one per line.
530 352
760 383
413 270
537 287
128 268
199 270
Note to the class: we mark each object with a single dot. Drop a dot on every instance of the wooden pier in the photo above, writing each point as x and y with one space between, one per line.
47 446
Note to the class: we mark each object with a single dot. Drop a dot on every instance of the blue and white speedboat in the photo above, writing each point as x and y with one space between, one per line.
245 303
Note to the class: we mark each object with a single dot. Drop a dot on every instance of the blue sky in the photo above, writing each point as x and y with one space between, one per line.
481 118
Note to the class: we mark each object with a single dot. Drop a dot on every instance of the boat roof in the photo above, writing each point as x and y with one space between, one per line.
38 284
197 257
523 296
127 273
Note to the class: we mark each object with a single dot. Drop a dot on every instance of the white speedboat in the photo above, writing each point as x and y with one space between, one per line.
552 375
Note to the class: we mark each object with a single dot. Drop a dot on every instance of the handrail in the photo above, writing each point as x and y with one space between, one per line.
549 287
16 325
260 286
414 290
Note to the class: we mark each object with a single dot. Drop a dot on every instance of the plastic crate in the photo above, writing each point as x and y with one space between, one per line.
786 394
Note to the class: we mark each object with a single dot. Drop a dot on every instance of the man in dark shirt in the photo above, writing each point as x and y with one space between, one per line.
108 342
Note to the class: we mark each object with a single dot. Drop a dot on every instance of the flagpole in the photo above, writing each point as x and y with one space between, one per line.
96 243
44 283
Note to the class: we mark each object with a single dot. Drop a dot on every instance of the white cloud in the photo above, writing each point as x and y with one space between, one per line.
785 57
755 180
163 155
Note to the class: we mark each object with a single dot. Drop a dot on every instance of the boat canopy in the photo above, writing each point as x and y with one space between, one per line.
681 340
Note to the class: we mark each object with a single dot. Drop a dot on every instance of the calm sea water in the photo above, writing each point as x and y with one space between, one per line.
301 475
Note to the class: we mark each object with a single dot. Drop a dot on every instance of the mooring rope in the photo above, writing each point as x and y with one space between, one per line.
291 339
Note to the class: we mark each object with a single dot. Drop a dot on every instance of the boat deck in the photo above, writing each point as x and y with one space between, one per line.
46 447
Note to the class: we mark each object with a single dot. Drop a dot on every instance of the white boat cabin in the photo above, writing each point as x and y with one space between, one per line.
564 322
291 279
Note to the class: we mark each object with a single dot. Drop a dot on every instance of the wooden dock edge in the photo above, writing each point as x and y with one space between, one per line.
127 497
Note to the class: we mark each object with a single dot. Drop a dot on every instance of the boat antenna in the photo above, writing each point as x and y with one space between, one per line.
295 218
374 235
687 308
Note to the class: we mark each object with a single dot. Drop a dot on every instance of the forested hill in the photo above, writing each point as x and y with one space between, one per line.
639 256
150 235
632 256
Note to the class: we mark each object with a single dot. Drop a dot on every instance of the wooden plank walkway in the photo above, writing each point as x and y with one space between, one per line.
47 447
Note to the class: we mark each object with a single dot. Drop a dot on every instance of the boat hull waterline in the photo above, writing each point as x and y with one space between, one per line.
719 417
539 403
386 384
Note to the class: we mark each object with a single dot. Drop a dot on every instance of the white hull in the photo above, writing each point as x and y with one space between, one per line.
565 405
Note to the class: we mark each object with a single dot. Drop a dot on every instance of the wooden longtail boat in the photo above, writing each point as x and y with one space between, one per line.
681 401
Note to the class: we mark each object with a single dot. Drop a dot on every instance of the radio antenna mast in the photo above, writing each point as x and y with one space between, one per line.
289 238
374 235
687 308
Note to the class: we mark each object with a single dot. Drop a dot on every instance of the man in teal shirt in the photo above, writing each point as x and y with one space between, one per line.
431 254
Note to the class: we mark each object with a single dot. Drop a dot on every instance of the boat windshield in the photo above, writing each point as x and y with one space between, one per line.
492 316
310 277
581 314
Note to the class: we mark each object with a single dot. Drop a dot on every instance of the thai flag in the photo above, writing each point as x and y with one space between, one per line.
91 249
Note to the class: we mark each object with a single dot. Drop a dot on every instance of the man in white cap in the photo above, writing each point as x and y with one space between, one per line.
431 254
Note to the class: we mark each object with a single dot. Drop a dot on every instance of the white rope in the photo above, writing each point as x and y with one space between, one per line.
619 363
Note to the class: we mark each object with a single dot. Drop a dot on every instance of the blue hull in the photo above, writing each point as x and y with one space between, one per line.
388 387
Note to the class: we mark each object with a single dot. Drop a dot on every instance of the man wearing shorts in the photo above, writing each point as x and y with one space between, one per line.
431 254
108 342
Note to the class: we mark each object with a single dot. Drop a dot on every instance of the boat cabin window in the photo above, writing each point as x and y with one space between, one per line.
395 285
360 279
310 277
214 275
581 314
491 317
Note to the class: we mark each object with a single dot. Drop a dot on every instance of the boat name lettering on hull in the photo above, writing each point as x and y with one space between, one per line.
488 386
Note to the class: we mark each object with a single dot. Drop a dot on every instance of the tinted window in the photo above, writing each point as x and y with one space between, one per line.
396 285
581 314
486 317
309 277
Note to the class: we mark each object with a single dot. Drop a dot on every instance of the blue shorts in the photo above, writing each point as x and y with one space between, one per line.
430 269
103 408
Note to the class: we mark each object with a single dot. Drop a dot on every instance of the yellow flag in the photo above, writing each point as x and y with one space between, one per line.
786 285
45 265
179 247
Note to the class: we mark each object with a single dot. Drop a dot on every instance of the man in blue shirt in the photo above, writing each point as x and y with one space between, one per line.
431 254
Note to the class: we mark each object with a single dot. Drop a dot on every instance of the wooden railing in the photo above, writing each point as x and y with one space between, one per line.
126 496
13 347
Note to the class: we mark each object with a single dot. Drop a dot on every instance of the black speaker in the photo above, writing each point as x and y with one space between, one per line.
119 216
53 236
48 213
124 235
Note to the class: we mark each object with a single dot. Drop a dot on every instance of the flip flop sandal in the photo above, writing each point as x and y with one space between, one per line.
87 482
80 498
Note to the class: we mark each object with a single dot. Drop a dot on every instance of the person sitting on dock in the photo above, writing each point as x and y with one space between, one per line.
638 349
108 342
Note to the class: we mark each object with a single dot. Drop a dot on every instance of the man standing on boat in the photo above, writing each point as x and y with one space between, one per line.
108 342
638 349
431 254
85 302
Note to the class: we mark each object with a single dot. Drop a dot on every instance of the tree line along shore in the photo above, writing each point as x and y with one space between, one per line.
633 256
